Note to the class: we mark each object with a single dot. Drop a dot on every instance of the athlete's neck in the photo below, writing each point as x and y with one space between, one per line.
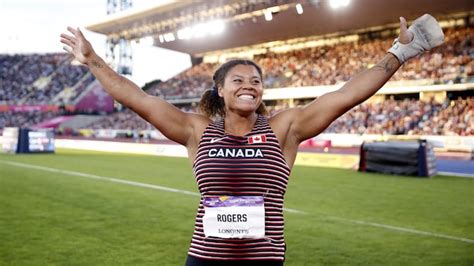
239 125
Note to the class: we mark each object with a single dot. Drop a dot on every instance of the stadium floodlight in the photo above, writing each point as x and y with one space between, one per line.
274 9
148 41
185 33
169 37
339 3
204 29
299 9
200 30
216 26
268 15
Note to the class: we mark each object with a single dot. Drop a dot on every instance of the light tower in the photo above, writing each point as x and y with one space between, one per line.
122 59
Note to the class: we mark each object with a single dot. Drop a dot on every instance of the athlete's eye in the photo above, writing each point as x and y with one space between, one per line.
237 80
256 81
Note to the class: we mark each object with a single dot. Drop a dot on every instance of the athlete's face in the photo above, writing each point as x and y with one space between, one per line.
242 90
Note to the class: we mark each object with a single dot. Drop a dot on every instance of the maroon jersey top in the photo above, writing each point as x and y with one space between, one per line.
250 165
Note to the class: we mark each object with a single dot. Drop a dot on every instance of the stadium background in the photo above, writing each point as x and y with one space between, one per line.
303 56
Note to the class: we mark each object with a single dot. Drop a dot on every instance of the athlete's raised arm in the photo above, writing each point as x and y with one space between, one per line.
309 121
172 122
295 125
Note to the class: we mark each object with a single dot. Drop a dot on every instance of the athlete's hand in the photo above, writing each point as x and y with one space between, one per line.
77 45
424 34
405 36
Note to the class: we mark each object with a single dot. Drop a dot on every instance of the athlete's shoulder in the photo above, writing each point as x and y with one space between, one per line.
284 118
198 124
199 120
281 124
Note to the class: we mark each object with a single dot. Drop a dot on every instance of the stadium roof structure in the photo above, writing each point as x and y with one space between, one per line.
245 22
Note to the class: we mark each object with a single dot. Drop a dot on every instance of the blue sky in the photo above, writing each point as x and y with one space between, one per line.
29 26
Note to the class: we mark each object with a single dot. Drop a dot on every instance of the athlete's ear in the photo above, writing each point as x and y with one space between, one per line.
219 91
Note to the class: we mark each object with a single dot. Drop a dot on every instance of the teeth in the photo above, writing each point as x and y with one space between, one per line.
247 97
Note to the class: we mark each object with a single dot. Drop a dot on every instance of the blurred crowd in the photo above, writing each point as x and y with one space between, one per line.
24 119
52 79
390 117
19 72
408 117
450 63
129 120
187 85
122 120
38 79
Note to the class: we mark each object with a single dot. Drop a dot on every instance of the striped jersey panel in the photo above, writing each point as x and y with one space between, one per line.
228 165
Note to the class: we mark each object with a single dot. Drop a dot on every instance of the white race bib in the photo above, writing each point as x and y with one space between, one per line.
234 217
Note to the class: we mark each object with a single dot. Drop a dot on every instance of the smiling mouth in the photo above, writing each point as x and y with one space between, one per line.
246 97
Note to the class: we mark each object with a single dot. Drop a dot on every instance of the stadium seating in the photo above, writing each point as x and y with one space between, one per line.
408 117
24 119
38 79
50 79
328 65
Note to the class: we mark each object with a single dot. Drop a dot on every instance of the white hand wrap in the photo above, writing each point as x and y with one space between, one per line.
426 34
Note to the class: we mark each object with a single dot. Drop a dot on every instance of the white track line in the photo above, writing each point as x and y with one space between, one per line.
115 180
111 179
456 174
168 189
406 230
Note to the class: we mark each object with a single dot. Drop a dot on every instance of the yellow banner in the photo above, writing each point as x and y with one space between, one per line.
328 160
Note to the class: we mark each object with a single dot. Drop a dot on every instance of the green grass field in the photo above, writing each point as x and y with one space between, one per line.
50 217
